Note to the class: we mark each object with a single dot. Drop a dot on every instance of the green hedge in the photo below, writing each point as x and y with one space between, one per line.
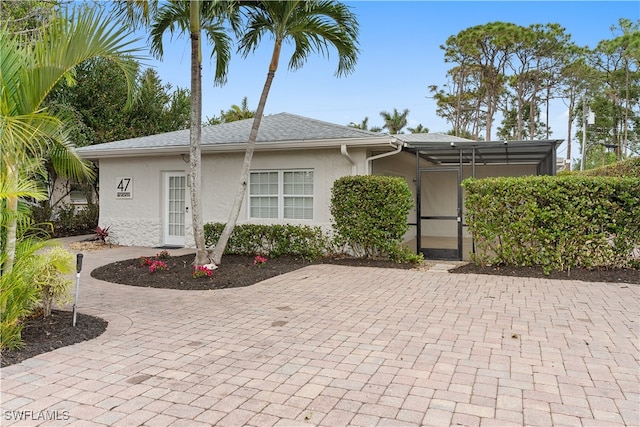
271 240
555 222
370 215
627 168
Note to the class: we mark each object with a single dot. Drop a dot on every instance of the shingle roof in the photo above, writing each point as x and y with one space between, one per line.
273 128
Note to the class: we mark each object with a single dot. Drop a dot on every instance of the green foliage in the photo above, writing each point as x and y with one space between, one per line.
98 103
396 121
370 214
49 278
404 255
67 220
18 296
627 168
26 17
272 240
555 222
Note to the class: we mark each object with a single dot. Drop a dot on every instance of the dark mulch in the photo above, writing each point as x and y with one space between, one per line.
234 271
41 335
617 275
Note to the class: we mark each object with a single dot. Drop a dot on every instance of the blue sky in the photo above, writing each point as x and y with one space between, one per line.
400 57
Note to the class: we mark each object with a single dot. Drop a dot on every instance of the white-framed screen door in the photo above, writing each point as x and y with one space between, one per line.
175 190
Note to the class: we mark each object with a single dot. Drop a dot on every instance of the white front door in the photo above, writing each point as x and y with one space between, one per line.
175 184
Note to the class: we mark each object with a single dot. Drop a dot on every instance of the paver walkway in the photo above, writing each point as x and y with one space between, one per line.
333 346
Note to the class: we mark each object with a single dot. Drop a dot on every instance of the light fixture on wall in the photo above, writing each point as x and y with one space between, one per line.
185 158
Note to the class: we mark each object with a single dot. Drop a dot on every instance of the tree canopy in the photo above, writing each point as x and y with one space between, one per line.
503 71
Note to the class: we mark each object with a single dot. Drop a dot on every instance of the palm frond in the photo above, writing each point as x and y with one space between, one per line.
172 17
67 42
312 26
219 38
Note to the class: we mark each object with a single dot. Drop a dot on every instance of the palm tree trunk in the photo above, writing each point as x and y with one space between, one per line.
569 126
195 160
12 228
248 155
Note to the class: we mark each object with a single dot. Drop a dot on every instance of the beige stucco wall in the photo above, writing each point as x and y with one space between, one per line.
139 221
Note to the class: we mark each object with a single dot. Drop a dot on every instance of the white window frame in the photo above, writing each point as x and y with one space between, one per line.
281 196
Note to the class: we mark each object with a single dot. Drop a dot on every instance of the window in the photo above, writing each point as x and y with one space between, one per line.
281 194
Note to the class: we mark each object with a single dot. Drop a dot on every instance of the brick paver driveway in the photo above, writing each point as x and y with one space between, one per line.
333 346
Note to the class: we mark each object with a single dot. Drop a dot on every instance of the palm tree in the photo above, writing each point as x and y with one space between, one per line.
237 112
418 129
363 125
395 122
28 72
311 26
190 18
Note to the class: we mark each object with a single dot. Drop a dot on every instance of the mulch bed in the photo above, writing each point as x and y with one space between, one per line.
42 334
617 275
234 271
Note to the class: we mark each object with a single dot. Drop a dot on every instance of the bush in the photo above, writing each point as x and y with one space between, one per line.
629 168
18 296
49 278
67 220
271 240
554 222
370 214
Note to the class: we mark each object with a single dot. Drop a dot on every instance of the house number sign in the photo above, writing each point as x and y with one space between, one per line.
124 187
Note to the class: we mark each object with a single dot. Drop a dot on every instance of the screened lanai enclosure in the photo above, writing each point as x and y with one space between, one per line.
442 162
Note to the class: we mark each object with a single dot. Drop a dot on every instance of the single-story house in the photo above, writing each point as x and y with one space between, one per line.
145 202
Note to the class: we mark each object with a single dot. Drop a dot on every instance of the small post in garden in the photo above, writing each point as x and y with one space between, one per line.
75 302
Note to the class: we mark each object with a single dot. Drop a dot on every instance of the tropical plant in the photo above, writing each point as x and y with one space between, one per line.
30 68
190 18
396 121
201 271
50 278
311 26
419 129
364 124
18 296
102 233
237 112
234 113
29 71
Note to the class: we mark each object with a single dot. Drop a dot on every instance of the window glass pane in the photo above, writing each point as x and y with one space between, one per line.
298 208
263 183
298 182
263 207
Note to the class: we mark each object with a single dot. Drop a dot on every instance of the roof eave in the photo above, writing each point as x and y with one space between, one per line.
234 147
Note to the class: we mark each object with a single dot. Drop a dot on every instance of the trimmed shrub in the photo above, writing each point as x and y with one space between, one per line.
271 240
370 215
554 222
627 168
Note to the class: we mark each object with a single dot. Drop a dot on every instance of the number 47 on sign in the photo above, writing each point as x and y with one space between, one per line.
124 187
